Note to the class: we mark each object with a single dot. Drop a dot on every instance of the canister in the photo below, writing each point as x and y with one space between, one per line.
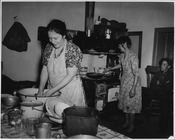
31 109
43 130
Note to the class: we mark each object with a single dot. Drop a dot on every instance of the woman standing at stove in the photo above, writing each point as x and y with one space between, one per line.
130 88
61 64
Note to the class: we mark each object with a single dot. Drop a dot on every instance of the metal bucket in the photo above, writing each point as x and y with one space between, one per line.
31 109
80 120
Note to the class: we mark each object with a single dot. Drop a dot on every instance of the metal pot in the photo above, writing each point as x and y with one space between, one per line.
9 100
43 130
31 109
80 120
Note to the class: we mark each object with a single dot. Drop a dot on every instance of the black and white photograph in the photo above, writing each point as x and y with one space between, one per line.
87 69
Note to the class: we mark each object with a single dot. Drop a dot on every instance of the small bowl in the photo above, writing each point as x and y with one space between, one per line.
10 100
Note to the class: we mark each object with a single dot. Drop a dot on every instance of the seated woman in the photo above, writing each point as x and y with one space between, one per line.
161 88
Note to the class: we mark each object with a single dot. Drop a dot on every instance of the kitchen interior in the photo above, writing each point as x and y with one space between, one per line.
94 27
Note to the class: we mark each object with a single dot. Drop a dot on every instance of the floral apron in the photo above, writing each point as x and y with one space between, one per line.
73 92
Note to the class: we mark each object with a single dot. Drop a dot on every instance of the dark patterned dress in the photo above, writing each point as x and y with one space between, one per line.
130 68
73 55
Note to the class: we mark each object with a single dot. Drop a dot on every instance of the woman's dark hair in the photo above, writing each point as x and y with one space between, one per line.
169 61
124 39
58 26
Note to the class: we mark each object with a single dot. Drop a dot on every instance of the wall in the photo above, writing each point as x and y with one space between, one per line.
139 16
94 62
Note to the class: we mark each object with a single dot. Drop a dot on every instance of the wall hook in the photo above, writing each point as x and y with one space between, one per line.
15 18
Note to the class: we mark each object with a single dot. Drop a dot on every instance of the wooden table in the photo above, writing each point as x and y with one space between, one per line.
9 132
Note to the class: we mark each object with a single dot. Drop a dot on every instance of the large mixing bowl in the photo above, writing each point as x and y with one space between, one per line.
9 100
28 94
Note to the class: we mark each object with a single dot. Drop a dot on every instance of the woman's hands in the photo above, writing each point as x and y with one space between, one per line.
48 93
112 68
40 93
43 80
106 70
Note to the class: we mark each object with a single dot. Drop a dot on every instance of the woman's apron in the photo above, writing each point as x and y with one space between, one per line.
73 92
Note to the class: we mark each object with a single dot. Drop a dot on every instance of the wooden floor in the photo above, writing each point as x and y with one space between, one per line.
114 118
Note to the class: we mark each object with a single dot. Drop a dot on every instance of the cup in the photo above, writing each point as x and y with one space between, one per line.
31 126
43 130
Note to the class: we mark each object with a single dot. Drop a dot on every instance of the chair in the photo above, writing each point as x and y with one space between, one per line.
154 107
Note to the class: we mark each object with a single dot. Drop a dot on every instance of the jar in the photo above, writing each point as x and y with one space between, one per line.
31 126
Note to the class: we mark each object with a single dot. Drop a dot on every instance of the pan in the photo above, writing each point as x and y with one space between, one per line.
95 75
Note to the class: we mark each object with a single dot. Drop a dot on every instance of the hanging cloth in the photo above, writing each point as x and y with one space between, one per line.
16 38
